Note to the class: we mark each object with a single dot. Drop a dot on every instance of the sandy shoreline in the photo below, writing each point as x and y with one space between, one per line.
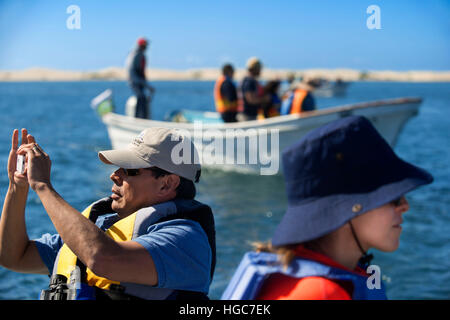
208 74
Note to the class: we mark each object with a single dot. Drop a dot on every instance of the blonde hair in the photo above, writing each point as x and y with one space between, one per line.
253 62
285 253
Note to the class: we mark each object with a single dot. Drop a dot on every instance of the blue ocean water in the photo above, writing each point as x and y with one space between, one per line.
247 207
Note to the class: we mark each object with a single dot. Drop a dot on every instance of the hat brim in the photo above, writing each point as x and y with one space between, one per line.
126 159
317 217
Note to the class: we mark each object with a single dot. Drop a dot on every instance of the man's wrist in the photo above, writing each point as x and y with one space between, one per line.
42 186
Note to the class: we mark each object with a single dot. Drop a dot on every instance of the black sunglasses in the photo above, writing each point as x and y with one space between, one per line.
135 172
397 202
130 172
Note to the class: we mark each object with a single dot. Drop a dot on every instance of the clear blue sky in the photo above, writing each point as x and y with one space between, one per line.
193 34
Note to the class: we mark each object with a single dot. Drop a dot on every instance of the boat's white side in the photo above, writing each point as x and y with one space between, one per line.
388 116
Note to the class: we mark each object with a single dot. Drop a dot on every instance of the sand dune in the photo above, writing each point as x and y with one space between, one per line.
116 73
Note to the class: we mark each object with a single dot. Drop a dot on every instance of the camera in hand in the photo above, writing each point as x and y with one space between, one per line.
20 167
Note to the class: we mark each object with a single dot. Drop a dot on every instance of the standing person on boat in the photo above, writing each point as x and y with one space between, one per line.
149 240
225 94
272 108
136 63
346 194
252 92
300 99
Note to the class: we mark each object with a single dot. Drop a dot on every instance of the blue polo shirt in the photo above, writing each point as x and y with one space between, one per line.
179 249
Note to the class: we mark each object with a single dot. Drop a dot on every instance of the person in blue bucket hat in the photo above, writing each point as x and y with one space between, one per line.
346 194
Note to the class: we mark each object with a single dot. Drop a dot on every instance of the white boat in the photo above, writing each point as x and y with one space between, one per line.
331 89
220 144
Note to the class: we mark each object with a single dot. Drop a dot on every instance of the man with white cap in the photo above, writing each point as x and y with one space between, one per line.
150 239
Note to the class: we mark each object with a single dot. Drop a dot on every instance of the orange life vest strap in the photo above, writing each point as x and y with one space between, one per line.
222 104
297 102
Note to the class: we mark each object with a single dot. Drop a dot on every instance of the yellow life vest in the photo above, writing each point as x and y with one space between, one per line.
120 231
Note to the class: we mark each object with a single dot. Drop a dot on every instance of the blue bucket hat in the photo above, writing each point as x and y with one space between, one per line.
337 172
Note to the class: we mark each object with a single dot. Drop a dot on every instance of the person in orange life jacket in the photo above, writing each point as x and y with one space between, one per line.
346 194
252 93
288 85
300 99
225 95
136 63
170 252
272 108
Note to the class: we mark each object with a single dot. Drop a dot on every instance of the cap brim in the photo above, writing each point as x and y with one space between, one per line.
123 158
310 220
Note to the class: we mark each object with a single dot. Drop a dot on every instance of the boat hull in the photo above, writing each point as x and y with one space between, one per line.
221 145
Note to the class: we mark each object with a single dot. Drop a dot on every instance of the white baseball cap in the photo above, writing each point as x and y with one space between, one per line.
154 147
